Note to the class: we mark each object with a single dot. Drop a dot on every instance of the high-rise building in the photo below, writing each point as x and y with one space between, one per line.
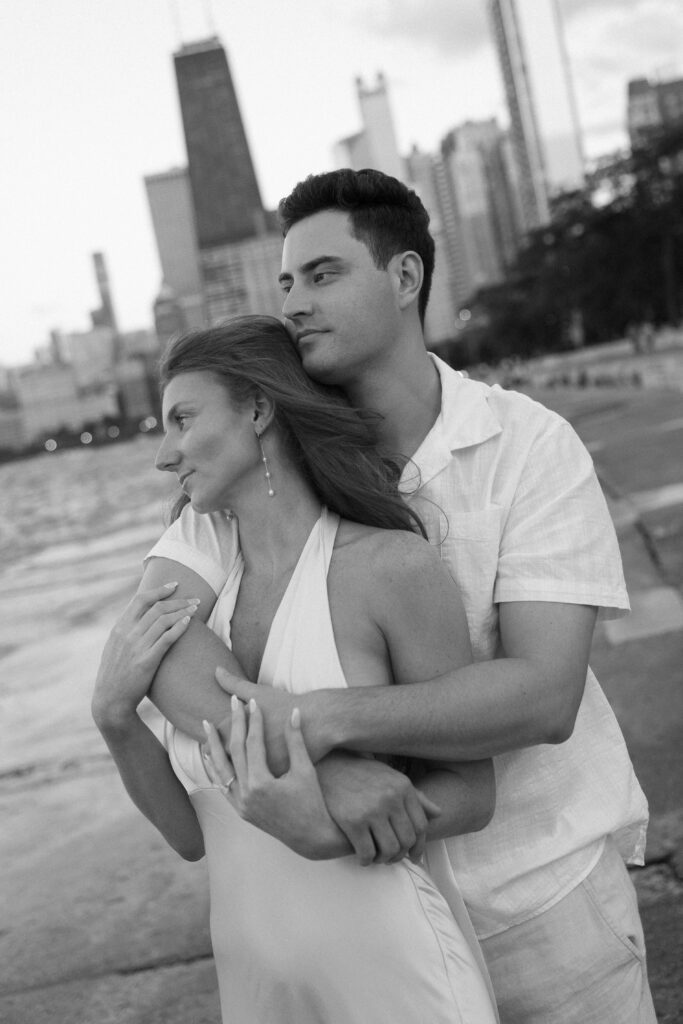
179 305
242 278
544 122
170 204
375 145
238 242
653 109
469 195
226 197
105 315
90 355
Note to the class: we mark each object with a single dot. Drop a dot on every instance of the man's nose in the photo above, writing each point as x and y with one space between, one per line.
166 457
296 303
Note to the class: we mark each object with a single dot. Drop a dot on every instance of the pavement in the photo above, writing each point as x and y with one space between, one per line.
103 923
636 439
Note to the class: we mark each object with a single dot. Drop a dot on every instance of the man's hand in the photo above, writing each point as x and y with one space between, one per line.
382 814
276 708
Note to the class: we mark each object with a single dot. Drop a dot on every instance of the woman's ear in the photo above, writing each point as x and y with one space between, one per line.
262 413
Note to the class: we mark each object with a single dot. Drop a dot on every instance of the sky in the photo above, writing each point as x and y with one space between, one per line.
88 106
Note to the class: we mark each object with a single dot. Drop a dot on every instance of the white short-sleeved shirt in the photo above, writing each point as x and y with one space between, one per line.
508 493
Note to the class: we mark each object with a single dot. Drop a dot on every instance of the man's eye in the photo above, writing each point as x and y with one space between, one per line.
180 419
321 275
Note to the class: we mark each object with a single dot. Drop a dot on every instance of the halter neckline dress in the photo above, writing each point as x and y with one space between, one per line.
322 942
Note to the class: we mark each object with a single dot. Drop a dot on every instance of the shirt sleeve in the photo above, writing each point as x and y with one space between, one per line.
207 543
558 542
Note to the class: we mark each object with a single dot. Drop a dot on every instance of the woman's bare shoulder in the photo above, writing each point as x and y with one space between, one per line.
384 552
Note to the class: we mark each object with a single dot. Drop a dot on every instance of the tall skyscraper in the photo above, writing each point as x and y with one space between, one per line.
170 205
375 145
653 109
180 305
543 117
105 315
441 309
227 200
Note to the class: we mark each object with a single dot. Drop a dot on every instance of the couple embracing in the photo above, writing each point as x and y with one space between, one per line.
368 630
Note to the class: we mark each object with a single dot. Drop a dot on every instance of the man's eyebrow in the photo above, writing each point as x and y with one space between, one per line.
311 265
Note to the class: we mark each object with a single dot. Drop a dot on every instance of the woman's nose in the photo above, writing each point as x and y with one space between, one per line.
166 457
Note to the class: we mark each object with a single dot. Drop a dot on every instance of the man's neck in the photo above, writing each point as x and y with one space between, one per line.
407 394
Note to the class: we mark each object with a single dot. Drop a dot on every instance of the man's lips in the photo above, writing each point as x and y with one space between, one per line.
309 332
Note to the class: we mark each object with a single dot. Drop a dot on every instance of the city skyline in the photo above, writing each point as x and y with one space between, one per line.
84 132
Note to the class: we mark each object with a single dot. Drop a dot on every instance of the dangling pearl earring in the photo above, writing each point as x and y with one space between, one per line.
264 460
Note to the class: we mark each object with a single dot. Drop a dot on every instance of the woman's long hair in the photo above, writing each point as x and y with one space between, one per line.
334 444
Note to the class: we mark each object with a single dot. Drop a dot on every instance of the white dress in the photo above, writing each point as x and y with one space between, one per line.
324 942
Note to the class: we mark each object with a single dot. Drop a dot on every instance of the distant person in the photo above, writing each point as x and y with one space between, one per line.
512 504
324 585
647 336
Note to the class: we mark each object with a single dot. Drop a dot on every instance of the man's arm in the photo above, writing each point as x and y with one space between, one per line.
529 696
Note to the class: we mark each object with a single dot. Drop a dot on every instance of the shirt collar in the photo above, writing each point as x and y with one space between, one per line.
466 415
465 419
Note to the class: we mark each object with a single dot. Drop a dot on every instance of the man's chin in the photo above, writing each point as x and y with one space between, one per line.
320 371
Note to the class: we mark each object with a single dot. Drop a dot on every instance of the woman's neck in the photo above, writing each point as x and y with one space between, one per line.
273 529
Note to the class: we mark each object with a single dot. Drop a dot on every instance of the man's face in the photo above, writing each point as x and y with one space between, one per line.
342 310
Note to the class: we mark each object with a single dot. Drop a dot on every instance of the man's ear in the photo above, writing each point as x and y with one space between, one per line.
409 276
263 411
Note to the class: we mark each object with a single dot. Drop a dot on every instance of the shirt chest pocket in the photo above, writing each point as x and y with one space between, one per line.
470 548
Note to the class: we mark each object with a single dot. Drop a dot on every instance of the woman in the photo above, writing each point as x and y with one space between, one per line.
326 584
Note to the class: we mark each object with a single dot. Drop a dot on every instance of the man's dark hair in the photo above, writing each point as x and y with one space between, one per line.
385 215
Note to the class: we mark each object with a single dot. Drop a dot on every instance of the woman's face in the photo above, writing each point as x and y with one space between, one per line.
209 443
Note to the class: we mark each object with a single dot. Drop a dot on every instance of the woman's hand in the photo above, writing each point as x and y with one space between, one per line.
148 627
290 808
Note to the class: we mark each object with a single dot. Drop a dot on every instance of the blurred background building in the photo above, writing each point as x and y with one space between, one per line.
544 122
512 208
375 144
179 305
653 109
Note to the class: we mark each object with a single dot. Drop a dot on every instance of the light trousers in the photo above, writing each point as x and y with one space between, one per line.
580 962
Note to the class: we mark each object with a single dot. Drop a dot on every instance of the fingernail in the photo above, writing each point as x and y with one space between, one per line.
234 702
207 727
186 619
192 609
296 718
170 586
194 600
252 704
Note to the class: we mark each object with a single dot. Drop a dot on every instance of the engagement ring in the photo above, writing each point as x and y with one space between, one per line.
228 785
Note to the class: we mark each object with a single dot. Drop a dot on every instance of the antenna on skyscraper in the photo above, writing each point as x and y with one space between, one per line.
175 17
210 20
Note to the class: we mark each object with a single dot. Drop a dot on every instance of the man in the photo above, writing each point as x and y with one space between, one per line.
508 493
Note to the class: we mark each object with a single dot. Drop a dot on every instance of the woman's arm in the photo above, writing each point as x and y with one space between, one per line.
148 628
151 783
184 688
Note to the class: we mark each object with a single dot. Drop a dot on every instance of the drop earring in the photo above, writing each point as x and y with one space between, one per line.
264 460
